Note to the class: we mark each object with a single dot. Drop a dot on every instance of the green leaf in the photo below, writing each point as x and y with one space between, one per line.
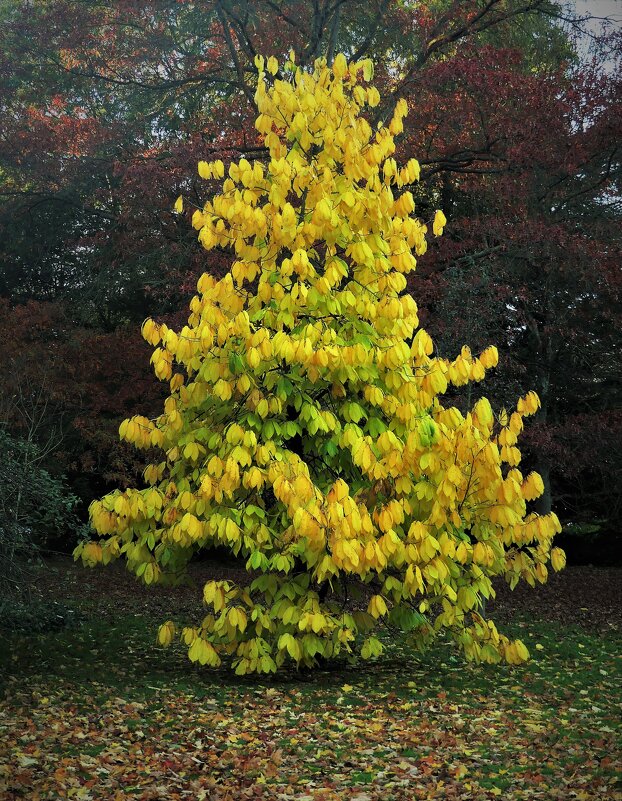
330 448
376 426
236 365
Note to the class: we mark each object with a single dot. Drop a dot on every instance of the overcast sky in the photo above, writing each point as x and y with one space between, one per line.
601 8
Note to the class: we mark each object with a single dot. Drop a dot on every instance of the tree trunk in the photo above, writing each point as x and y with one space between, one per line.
543 504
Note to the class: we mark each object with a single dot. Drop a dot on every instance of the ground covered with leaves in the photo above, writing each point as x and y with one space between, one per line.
93 710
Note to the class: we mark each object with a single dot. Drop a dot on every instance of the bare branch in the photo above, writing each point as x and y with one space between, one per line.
232 51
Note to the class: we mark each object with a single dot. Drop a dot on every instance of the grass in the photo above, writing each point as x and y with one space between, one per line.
97 711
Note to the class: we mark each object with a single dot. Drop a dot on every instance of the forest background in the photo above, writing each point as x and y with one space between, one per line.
515 117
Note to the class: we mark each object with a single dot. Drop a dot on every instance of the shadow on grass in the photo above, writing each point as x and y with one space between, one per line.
123 656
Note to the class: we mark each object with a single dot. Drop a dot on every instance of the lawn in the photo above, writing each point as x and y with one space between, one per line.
96 711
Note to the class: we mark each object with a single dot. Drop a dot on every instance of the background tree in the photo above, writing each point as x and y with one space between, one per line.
106 105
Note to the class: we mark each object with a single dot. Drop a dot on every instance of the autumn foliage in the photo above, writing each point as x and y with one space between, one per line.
304 428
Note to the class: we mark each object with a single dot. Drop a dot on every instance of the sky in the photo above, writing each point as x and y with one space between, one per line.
601 8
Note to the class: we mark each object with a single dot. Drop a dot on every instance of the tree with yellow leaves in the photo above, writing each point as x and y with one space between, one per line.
304 428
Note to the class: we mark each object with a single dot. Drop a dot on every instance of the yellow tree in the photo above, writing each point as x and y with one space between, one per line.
304 428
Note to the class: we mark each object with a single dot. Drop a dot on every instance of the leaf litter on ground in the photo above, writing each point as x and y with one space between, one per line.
98 712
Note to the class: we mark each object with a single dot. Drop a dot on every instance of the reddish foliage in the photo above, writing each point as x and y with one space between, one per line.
71 378
109 107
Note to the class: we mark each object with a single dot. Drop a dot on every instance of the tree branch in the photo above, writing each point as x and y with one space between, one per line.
232 51
362 49
482 21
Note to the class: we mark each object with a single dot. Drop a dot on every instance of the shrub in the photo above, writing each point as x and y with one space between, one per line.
34 506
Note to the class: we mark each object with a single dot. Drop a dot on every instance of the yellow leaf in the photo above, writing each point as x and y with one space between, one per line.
204 169
272 65
340 66
166 633
558 559
439 223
